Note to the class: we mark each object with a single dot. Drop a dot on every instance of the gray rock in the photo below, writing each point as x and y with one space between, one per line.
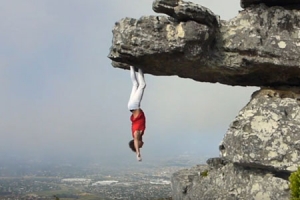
186 11
217 162
265 134
247 3
230 182
259 47
132 44
165 6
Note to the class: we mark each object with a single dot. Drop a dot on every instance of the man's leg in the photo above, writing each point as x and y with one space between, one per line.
135 85
137 89
142 85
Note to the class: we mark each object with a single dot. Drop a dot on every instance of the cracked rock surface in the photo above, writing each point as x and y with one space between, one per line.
229 182
266 131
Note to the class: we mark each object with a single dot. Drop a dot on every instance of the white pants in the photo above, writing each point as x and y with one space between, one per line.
138 86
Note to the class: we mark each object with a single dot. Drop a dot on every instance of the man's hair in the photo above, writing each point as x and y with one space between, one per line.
131 145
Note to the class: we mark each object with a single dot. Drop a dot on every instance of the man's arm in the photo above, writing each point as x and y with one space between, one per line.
137 138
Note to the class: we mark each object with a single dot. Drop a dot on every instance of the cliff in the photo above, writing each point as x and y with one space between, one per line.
259 47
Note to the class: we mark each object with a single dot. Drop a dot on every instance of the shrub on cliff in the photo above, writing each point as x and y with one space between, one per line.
295 185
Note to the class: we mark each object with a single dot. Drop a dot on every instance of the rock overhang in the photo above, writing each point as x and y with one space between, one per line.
259 47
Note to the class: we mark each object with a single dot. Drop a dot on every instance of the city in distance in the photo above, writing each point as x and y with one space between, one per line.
90 180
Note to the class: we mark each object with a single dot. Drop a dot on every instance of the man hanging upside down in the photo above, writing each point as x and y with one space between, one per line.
138 117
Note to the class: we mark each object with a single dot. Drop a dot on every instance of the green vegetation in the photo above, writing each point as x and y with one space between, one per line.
204 173
63 190
67 193
55 197
295 185
83 196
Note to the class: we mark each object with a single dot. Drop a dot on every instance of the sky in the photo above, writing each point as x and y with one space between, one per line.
61 97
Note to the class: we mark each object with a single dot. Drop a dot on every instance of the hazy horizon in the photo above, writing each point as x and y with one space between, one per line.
61 98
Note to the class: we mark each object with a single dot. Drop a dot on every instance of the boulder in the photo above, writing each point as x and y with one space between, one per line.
228 182
265 133
186 11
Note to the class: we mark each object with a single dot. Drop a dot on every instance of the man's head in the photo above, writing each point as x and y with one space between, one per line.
132 147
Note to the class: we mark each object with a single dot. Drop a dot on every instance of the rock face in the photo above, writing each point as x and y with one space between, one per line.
229 182
259 47
266 131
258 153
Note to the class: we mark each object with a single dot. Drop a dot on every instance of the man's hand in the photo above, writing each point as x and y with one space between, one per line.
139 157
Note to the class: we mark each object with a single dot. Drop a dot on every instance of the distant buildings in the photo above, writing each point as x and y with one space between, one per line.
104 183
160 182
82 181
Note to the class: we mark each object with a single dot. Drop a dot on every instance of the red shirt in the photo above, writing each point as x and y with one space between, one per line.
138 123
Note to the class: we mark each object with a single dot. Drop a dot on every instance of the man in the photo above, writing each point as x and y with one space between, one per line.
137 118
